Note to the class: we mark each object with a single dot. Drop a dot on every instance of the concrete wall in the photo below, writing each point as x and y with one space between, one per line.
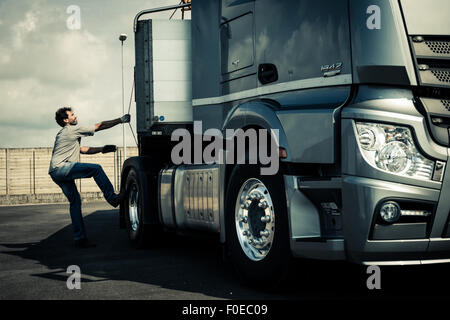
24 175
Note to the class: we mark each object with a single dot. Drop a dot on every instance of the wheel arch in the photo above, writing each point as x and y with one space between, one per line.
256 114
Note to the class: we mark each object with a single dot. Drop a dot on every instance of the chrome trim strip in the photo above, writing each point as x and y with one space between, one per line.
405 262
398 240
277 88
440 240
391 263
435 261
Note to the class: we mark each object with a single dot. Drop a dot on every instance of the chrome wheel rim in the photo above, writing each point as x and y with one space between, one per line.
255 219
133 198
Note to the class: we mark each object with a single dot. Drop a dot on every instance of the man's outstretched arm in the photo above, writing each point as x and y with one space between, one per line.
111 123
94 150
90 150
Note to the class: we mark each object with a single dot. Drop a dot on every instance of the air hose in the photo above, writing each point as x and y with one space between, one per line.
129 108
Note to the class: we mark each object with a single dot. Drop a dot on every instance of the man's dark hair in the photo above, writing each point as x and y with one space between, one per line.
61 114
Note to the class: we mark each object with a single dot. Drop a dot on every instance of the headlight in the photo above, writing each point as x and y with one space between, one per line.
392 149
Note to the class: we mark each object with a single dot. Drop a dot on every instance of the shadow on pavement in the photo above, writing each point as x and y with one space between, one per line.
194 264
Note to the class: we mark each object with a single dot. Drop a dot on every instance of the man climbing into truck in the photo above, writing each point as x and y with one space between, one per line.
65 166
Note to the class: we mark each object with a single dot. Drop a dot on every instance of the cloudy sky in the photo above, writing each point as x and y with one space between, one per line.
49 59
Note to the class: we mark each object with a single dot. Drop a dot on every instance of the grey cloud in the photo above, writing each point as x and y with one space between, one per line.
42 47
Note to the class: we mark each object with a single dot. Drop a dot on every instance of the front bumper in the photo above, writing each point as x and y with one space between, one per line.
360 199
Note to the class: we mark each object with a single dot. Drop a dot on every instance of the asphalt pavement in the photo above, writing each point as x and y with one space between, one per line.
36 250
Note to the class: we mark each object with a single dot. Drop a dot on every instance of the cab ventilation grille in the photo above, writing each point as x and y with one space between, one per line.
439 47
442 75
446 104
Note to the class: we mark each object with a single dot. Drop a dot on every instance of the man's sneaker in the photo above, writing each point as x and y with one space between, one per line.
116 201
84 243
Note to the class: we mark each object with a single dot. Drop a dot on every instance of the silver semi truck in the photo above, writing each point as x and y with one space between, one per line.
358 92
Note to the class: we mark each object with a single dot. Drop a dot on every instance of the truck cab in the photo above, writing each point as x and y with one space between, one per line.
358 94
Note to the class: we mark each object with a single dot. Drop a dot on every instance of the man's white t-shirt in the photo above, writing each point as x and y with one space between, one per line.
67 145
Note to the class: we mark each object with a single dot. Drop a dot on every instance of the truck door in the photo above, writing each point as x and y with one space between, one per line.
238 70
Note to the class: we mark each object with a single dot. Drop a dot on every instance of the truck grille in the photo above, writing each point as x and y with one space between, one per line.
439 47
446 104
442 75
432 60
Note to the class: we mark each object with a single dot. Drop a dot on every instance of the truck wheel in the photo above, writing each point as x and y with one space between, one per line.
135 206
256 226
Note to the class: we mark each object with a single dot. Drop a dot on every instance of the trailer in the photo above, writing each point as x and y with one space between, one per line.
354 99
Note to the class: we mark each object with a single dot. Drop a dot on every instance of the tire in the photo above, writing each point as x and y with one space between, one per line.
261 260
136 205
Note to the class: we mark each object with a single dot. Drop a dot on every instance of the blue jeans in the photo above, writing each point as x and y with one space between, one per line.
64 177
